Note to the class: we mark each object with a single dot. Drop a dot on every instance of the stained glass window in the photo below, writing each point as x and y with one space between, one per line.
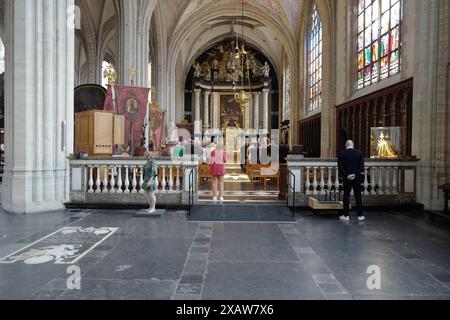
379 42
315 67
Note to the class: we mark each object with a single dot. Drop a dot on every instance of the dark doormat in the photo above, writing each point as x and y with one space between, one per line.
241 213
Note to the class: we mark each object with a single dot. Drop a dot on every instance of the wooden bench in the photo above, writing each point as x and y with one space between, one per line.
325 205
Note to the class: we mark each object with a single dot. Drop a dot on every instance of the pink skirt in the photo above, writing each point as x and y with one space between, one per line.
217 163
217 170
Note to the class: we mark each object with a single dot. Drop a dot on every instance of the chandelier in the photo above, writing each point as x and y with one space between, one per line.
242 97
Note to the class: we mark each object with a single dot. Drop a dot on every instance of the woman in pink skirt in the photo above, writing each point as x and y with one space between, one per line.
217 163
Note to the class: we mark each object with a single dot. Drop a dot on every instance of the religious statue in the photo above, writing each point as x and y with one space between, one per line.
248 64
150 182
173 133
208 73
197 70
266 69
384 149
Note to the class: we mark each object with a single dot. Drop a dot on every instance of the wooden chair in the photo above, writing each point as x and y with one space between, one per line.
264 172
203 172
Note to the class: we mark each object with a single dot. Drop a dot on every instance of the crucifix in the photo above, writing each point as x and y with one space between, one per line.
133 73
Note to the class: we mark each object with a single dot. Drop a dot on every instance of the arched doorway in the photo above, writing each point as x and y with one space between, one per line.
210 88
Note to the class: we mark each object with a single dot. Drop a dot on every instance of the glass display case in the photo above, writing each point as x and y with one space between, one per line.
385 143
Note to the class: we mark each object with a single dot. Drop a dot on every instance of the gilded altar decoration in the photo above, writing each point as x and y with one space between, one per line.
242 98
386 143
110 74
156 125
223 65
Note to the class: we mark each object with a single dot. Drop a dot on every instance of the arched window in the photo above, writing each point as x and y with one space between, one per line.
379 42
314 67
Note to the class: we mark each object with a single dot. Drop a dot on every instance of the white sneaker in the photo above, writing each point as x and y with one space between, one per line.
361 219
344 218
221 199
215 199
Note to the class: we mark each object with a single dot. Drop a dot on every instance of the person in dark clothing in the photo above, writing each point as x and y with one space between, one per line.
351 167
284 152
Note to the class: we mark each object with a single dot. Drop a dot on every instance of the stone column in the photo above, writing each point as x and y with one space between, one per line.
134 17
206 119
256 111
247 118
266 109
215 110
39 105
430 134
197 109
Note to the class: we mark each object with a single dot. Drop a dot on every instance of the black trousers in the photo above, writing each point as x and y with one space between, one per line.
356 186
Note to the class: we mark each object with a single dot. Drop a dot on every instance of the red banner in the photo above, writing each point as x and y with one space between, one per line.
132 103
109 103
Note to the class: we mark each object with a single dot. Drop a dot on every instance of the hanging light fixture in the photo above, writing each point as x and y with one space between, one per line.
242 98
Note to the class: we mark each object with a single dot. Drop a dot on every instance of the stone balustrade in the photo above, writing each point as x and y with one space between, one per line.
385 182
120 180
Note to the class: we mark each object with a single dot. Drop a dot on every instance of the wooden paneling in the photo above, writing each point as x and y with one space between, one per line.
310 136
389 107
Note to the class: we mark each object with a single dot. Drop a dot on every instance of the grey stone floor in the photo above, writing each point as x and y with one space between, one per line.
171 258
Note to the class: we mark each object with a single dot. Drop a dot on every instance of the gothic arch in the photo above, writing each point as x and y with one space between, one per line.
107 34
89 41
206 13
134 18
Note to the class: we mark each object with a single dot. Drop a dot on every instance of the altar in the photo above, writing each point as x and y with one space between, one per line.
219 76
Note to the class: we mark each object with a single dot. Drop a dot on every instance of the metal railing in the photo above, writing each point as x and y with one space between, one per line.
191 191
291 187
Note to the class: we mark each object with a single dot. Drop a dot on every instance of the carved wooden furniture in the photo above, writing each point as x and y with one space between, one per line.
310 136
